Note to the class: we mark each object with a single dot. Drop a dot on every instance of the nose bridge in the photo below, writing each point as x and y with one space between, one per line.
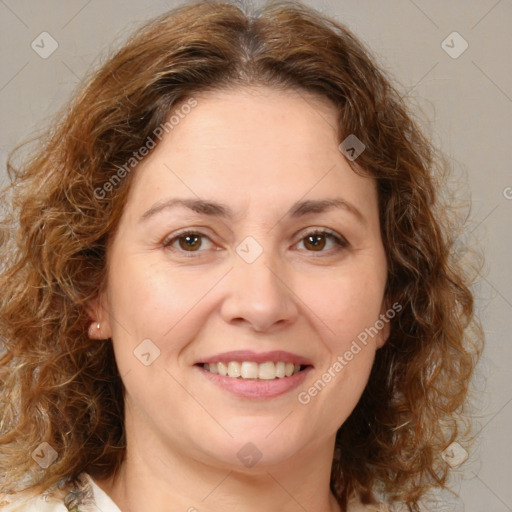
258 292
260 276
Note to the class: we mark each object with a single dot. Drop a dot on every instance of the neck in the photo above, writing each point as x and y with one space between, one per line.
154 477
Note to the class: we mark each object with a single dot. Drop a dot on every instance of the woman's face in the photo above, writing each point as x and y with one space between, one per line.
255 168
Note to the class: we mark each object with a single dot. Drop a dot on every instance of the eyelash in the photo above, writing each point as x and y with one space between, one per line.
340 241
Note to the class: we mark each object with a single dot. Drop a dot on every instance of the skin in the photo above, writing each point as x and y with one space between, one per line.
257 151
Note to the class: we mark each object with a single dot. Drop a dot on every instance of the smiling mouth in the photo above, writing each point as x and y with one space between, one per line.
250 370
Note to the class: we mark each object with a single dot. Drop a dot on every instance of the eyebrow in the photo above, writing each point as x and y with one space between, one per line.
215 209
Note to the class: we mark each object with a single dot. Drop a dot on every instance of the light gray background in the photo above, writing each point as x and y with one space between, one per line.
466 100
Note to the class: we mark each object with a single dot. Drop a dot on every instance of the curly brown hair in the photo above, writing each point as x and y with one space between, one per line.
60 386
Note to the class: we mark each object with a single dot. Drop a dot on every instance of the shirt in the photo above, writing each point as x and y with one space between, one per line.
87 496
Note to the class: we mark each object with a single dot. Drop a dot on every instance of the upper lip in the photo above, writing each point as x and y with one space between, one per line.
257 357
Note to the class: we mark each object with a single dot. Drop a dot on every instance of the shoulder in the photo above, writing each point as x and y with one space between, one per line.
83 496
39 503
87 496
355 505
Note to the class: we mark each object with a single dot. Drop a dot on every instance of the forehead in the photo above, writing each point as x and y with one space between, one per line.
246 118
251 145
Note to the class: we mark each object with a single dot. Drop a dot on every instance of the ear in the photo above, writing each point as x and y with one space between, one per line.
384 324
99 328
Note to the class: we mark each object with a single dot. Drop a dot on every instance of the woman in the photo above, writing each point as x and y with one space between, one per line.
231 285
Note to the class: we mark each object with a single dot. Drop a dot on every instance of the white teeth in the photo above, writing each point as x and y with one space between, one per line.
267 371
222 369
252 370
234 369
249 370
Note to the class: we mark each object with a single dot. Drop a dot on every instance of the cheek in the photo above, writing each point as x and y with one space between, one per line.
147 296
154 301
346 309
346 304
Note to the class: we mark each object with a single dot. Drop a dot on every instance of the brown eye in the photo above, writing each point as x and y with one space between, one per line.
186 242
189 242
316 242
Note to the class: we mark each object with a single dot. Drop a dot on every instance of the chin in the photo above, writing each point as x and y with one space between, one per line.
256 448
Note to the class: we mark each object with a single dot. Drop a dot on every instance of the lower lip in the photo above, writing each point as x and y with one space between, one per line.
257 388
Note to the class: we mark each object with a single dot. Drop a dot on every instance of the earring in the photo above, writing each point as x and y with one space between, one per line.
98 325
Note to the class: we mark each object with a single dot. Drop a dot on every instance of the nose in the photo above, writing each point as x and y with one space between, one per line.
259 295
